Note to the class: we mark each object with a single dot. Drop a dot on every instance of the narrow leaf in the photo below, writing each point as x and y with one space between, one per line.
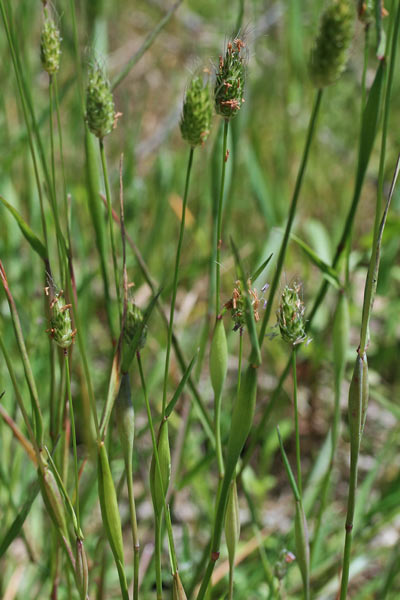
288 469
180 387
328 271
260 269
19 520
27 232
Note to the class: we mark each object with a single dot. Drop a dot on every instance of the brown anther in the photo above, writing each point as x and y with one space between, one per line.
66 307
73 334
214 556
46 290
116 117
239 44
226 155
229 47
52 303
221 62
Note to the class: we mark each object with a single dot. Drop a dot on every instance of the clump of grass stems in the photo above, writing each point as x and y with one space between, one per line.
99 413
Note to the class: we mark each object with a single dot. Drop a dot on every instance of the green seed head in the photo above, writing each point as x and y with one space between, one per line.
100 112
290 316
330 52
60 322
133 324
196 113
230 79
237 304
50 42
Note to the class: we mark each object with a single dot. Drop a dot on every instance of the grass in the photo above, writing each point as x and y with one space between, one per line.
120 460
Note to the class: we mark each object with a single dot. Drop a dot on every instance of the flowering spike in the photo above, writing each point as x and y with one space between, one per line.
196 117
60 322
50 41
290 316
100 111
230 79
330 52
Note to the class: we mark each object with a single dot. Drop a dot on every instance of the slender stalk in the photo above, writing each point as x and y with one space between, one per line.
71 411
296 423
155 450
157 556
218 240
240 360
110 222
175 282
61 151
292 213
369 293
351 504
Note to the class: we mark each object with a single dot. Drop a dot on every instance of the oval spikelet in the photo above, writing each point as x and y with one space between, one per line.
302 545
50 42
218 358
355 404
82 572
341 330
232 522
329 55
242 418
109 505
178 593
125 416
159 492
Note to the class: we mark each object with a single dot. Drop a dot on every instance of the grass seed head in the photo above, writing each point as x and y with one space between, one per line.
50 42
60 322
330 52
237 304
196 116
290 316
100 110
133 321
230 79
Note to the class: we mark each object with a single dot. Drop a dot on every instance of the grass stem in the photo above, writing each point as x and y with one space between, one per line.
175 282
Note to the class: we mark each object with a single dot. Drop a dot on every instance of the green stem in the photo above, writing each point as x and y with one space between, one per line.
110 222
61 150
175 282
157 557
292 213
240 360
71 410
296 423
351 503
156 457
132 512
371 281
218 240
217 433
